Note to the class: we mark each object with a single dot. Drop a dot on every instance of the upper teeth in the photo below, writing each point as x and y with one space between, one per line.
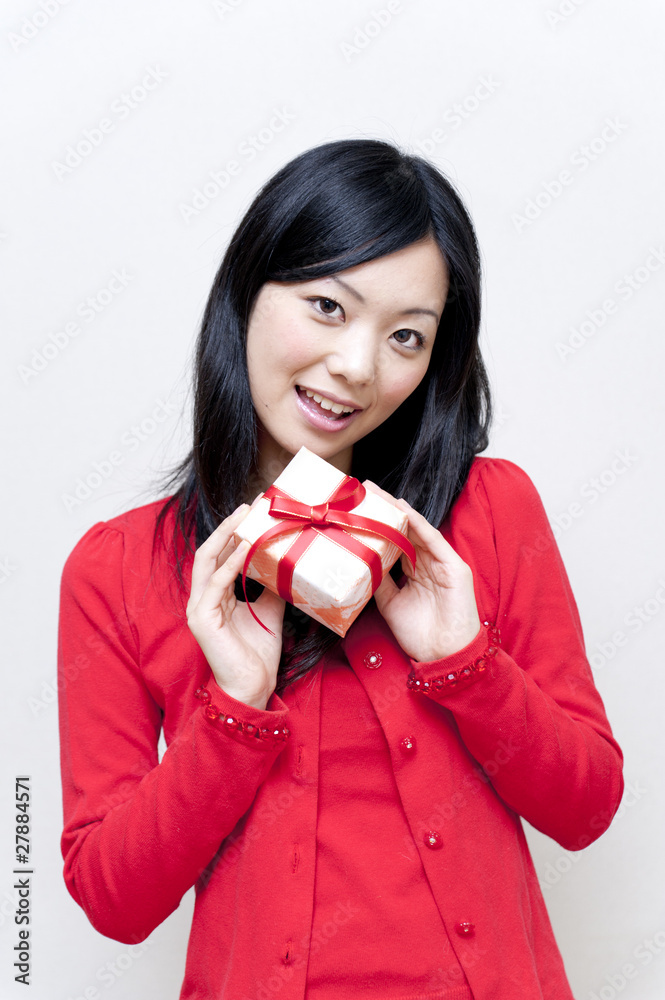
328 404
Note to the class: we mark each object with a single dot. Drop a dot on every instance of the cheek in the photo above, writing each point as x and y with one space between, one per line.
398 387
277 354
274 346
288 348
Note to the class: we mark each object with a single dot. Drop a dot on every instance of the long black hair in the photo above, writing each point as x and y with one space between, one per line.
330 208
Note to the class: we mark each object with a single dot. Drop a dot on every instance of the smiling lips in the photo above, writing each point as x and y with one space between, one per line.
323 412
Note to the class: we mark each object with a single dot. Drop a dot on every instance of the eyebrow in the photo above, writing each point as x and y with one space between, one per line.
404 312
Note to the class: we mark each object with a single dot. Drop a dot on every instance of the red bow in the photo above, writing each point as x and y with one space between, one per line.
331 518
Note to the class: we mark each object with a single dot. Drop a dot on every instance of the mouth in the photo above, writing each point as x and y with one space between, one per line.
324 412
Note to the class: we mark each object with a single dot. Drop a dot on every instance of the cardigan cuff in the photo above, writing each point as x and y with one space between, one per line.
459 669
254 726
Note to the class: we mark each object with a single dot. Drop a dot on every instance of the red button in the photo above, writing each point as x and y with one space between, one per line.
408 745
372 661
465 929
433 840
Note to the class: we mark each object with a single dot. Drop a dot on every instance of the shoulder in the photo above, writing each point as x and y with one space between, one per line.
498 515
124 539
503 490
135 522
500 528
499 477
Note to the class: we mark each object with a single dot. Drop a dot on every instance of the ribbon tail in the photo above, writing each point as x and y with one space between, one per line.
244 590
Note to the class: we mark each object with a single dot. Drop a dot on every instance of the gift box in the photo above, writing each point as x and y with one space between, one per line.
322 541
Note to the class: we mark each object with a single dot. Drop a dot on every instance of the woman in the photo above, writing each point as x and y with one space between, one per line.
347 809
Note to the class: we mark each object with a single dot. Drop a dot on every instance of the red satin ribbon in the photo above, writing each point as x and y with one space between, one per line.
332 519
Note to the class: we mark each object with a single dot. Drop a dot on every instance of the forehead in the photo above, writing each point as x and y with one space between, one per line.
417 273
413 279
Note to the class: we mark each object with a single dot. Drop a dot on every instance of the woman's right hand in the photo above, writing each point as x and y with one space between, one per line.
243 657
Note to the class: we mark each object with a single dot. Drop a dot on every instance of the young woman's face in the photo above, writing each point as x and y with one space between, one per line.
330 359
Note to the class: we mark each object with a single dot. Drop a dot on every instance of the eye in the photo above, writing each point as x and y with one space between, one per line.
410 339
403 337
326 306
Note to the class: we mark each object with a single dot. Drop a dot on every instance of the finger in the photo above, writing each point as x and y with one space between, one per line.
385 592
420 525
226 552
220 588
426 531
223 555
206 557
218 538
233 540
202 577
428 540
373 488
412 516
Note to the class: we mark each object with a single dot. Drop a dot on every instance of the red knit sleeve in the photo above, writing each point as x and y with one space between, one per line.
138 833
533 717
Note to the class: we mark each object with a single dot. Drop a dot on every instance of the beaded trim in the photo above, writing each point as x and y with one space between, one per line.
233 725
450 680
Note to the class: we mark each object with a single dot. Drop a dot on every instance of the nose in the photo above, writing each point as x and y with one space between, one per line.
354 357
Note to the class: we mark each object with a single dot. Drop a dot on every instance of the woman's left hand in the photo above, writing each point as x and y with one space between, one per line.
435 612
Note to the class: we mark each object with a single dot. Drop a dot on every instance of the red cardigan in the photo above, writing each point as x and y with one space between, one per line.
369 881
237 816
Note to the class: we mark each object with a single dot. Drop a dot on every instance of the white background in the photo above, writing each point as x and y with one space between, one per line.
552 82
